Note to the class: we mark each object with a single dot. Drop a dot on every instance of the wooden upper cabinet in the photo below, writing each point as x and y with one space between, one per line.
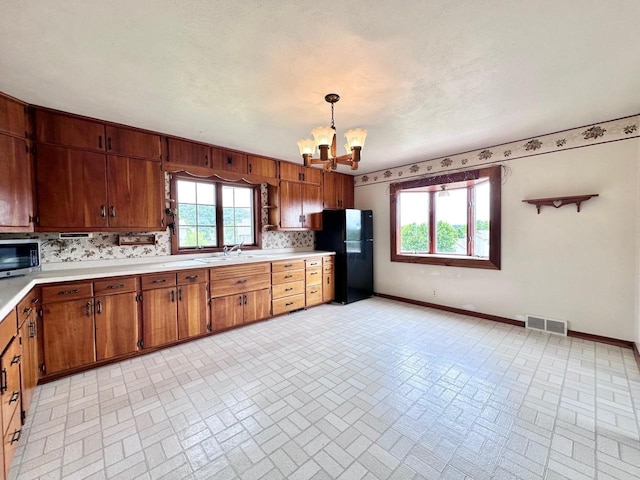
60 129
330 190
298 173
187 153
72 189
229 161
346 182
135 192
263 167
311 206
16 198
290 172
13 117
133 143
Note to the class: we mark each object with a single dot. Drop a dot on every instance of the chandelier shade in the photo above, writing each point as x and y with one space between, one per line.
324 138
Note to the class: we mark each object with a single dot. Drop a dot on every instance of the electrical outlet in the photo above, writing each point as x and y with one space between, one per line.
434 293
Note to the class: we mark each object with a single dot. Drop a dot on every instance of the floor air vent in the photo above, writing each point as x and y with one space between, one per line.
536 322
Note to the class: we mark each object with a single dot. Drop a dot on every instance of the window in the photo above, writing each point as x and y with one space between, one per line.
448 220
212 214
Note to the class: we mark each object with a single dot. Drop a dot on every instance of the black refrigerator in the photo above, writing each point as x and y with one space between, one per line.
349 233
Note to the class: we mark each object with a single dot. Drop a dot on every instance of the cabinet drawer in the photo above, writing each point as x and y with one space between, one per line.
233 271
316 262
314 276
328 259
10 396
27 305
158 280
327 268
110 286
287 265
11 438
66 291
314 295
287 304
287 289
231 286
192 276
287 276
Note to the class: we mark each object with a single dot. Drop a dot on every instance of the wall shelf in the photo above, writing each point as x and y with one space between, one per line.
557 202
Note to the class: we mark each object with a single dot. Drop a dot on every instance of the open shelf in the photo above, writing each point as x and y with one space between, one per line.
557 202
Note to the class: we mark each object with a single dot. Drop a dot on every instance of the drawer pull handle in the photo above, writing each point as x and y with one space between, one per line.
35 300
15 359
88 310
180 294
69 292
32 329
15 436
288 276
3 380
192 277
27 311
288 289
162 280
314 291
113 287
313 273
244 280
288 304
287 265
14 397
99 306
173 295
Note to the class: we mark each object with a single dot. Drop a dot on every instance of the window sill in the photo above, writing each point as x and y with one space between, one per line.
447 260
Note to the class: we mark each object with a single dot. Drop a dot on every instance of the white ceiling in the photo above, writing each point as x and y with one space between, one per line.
426 78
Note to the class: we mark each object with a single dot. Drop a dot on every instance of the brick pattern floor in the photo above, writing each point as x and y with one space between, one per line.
372 390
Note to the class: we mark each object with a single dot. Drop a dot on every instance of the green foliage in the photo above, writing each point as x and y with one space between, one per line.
482 225
461 230
414 238
447 236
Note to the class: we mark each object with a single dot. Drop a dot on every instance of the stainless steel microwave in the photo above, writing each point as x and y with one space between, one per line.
19 257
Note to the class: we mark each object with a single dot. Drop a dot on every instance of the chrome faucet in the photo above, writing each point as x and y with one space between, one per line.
226 250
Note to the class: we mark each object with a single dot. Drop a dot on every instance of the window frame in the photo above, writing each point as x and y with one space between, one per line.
257 210
470 176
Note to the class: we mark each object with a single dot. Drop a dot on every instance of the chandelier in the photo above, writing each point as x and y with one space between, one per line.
325 138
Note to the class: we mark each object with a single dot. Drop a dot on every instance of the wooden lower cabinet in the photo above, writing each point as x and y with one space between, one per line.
193 310
116 319
239 309
328 284
159 317
27 312
68 335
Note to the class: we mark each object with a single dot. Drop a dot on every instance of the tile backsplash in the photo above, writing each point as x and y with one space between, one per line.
104 246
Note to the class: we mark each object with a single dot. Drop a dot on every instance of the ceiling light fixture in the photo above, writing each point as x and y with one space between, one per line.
325 137
443 191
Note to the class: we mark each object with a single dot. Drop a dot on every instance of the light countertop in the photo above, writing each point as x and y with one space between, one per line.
12 290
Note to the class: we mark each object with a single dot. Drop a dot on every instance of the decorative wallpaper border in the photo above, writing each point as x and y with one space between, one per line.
604 132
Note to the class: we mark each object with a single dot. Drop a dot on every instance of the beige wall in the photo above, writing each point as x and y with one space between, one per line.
579 267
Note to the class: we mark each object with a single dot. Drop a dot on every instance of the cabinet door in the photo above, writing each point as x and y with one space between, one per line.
29 368
133 143
329 190
193 316
11 395
229 161
159 317
16 197
227 312
72 188
116 325
13 117
312 206
290 205
346 191
257 305
68 335
328 288
290 171
263 167
135 193
188 153
69 131
312 175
